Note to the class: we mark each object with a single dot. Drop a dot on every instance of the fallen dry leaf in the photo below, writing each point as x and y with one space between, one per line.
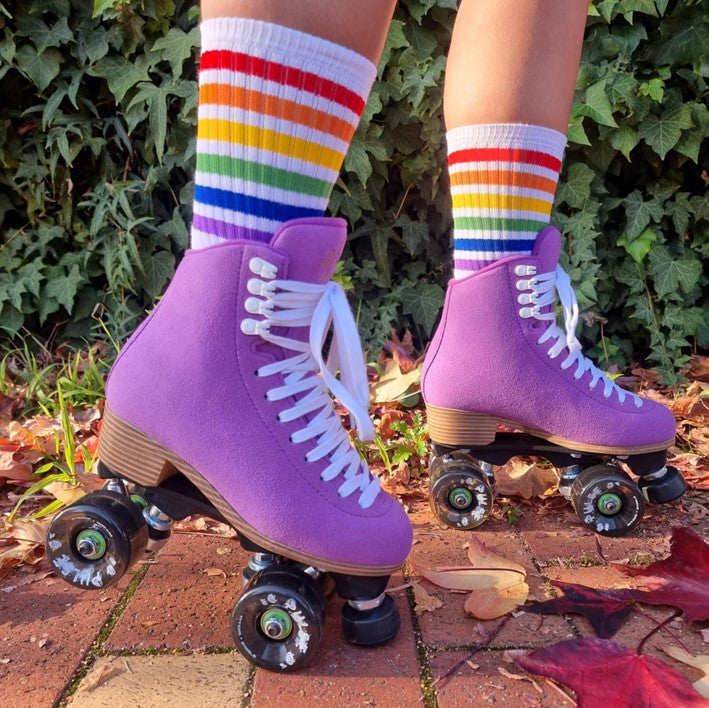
214 572
681 580
605 613
424 601
526 480
496 585
700 662
65 492
393 384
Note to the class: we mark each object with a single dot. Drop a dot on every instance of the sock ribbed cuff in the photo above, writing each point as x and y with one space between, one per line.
503 179
277 111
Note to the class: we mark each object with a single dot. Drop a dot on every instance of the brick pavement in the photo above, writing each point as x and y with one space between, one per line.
161 638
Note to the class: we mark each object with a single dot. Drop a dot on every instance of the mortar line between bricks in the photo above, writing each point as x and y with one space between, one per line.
249 687
428 693
94 651
569 622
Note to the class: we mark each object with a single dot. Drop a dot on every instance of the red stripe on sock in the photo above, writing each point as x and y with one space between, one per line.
282 74
530 157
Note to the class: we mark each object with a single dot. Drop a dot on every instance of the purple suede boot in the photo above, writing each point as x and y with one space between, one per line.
499 357
222 397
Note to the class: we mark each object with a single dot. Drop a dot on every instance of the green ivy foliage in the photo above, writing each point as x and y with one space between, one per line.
97 143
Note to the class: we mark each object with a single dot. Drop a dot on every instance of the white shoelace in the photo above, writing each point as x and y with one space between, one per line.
542 293
289 303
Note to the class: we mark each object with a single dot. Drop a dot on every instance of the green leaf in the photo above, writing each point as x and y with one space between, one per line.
640 246
661 133
576 188
575 132
423 302
121 74
62 285
40 68
597 106
669 274
639 213
159 268
177 46
396 39
625 139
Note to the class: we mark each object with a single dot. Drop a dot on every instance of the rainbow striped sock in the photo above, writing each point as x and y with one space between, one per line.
503 178
277 111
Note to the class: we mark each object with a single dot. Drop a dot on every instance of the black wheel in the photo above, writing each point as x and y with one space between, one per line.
94 541
460 493
664 489
607 501
373 626
278 620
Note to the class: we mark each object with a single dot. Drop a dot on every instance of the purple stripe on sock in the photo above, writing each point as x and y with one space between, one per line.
222 229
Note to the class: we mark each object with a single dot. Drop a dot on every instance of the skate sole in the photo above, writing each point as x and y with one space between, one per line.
134 456
448 426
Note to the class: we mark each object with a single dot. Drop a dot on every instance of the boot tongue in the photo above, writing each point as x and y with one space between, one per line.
312 246
547 248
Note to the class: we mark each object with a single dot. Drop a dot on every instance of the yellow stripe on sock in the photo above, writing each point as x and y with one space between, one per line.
500 201
264 139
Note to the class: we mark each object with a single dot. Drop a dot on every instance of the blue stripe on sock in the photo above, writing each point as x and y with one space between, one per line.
264 208
501 245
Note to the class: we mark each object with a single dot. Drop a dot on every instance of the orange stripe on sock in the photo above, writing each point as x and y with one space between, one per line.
508 179
237 97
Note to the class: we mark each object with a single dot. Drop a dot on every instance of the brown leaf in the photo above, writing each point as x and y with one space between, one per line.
393 384
65 492
424 601
697 368
214 572
522 479
499 598
700 662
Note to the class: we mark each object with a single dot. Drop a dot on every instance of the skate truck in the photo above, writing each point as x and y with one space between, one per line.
605 497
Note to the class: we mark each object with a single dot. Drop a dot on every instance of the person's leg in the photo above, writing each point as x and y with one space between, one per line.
509 86
281 93
499 355
226 382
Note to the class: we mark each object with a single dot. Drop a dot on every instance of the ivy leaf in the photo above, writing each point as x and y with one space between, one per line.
41 68
638 213
669 274
597 106
396 39
55 36
177 46
640 246
576 188
357 160
159 268
62 285
423 301
625 139
575 132
122 74
683 38
661 133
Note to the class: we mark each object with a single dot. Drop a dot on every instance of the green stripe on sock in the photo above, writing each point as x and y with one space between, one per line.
263 174
484 223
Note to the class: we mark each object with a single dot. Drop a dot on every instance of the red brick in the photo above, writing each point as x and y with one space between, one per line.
449 625
178 604
578 545
485 685
341 674
69 619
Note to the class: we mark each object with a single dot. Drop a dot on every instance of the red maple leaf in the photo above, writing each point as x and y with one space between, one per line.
602 608
681 580
605 674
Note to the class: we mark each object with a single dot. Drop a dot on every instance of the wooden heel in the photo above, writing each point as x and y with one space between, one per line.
448 426
131 454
